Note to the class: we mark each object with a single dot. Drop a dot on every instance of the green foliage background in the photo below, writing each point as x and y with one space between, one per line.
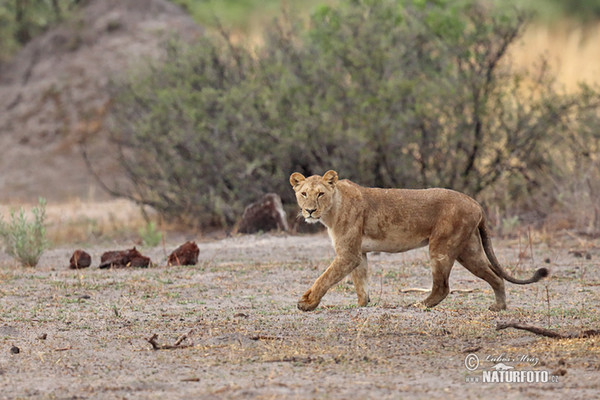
22 20
389 93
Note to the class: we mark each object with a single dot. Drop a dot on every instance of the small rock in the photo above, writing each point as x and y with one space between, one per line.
43 336
186 254
581 254
80 259
471 349
560 372
15 350
124 258
264 215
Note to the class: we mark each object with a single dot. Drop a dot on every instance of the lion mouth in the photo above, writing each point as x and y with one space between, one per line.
311 219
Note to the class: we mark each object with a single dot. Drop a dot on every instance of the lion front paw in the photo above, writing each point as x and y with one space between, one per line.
306 304
364 301
497 307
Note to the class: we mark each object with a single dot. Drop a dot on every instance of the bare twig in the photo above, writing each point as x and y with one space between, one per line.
548 303
265 337
424 290
295 359
530 244
546 332
176 345
463 290
163 243
418 290
380 287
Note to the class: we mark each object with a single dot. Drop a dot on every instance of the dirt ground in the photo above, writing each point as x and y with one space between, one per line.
84 334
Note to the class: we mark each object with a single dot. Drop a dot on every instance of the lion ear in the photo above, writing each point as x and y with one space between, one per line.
330 177
296 178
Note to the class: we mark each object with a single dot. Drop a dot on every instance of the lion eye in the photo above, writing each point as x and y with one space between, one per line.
320 194
303 194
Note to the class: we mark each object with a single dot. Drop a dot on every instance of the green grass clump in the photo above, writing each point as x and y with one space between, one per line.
150 235
23 239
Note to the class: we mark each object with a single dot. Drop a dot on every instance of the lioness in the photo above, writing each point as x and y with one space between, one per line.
360 220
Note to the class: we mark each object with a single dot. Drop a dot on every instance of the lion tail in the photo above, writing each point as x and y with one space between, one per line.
496 267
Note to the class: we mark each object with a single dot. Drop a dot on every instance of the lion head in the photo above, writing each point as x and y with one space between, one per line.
314 194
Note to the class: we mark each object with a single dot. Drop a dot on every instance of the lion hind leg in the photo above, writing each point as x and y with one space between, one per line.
474 259
360 278
441 265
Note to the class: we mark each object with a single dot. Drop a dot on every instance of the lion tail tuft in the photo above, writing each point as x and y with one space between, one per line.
489 251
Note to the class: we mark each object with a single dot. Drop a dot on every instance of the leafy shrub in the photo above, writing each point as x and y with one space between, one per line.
25 240
21 21
389 93
150 235
187 136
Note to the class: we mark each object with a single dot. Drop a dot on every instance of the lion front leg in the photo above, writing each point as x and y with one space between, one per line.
360 278
339 268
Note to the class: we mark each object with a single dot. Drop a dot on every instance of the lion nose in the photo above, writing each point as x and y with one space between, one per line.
310 211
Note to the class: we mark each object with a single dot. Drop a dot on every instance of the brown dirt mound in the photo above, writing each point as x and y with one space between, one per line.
54 93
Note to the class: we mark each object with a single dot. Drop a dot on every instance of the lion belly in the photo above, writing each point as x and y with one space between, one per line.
392 245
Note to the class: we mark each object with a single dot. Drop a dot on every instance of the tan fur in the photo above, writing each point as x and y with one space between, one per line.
360 220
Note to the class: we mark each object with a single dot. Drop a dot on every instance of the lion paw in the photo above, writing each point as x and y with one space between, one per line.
364 301
497 307
418 304
305 304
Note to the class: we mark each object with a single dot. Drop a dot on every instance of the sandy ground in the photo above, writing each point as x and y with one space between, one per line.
84 334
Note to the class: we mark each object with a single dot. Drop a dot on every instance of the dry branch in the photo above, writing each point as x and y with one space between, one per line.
546 332
295 359
424 290
265 337
176 345
417 290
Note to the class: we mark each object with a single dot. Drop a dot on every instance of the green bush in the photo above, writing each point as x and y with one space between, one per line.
25 240
187 135
150 235
22 20
390 93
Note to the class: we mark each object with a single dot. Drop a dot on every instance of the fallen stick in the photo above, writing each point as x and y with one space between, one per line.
265 337
423 290
414 289
546 332
462 290
294 359
182 338
176 345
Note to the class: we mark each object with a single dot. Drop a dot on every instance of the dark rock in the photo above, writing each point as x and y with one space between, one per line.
15 350
186 254
264 215
124 258
80 259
